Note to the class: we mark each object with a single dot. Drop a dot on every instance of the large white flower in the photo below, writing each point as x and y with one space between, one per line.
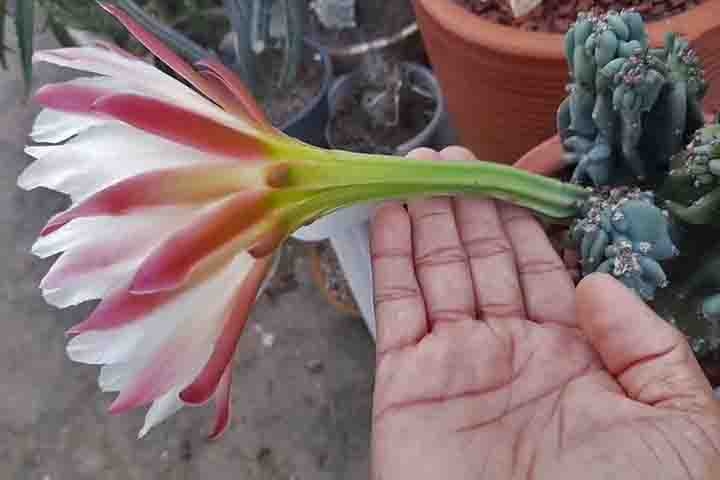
155 171
181 195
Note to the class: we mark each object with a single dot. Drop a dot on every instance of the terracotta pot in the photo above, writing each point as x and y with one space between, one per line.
503 85
319 276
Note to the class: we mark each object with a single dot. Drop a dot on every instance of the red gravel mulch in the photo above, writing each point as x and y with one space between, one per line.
556 16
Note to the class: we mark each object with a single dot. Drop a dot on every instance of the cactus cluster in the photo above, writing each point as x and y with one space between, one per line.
693 184
630 107
622 232
633 132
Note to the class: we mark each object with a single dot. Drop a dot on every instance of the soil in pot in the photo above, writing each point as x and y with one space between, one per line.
281 103
374 19
555 16
353 128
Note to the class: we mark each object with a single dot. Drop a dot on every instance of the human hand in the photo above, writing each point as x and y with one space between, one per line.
491 365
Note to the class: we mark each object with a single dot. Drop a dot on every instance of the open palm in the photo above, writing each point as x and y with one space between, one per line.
491 365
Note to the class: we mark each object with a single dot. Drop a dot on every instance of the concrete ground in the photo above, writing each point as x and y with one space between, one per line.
301 402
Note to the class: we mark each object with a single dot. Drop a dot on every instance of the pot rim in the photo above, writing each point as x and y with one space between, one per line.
455 20
362 48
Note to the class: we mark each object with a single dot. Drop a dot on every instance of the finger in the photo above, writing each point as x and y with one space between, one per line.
548 290
399 307
440 261
492 263
650 359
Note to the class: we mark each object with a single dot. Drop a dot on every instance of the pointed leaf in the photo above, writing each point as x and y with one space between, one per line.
24 22
3 60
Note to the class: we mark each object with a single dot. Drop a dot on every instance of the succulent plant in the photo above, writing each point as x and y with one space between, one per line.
633 130
252 22
693 186
622 232
630 107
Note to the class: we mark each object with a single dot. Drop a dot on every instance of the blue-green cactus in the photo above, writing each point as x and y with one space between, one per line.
630 107
629 112
693 185
622 232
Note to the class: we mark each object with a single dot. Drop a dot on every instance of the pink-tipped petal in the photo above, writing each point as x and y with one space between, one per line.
164 370
238 89
69 97
120 309
165 54
180 125
222 404
174 186
124 307
228 100
170 265
203 387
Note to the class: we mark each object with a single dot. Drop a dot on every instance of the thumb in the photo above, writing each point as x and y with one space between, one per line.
649 357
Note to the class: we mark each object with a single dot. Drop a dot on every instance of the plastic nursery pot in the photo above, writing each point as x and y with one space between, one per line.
309 123
503 84
427 137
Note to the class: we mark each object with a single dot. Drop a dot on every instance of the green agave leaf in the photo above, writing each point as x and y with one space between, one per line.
3 60
24 22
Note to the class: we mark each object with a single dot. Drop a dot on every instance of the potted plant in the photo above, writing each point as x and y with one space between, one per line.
289 75
499 77
383 106
634 119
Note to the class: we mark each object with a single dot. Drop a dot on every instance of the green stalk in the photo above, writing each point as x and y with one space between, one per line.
326 180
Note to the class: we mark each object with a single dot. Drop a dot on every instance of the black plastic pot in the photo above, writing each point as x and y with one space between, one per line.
309 123
435 132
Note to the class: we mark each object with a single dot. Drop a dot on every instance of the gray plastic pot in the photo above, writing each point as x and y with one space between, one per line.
432 135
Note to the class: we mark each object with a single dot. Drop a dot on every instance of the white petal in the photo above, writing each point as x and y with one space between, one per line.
90 287
198 310
161 409
52 126
101 156
335 223
352 247
129 239
115 377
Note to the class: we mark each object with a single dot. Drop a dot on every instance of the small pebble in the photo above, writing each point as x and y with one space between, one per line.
314 366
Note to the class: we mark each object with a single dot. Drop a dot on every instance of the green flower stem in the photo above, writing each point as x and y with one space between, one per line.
327 180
